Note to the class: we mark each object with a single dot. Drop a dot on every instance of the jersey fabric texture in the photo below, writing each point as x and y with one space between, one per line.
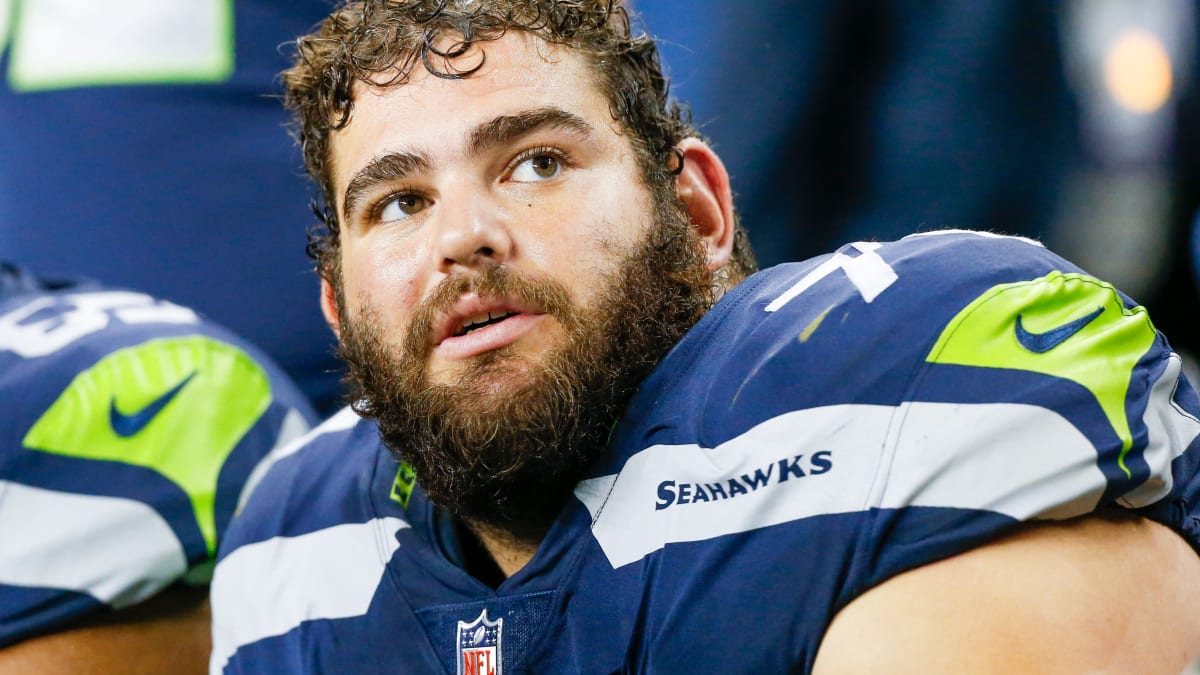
827 426
129 428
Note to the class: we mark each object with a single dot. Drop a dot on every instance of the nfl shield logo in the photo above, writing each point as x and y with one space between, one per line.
479 646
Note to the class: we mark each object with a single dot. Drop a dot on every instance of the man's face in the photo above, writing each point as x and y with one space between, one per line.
519 165
507 278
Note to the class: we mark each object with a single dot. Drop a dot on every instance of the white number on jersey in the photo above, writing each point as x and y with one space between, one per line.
869 273
87 314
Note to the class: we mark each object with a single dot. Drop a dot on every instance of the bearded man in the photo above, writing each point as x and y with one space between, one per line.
586 437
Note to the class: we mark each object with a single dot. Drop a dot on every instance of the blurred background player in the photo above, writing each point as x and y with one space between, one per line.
142 145
130 426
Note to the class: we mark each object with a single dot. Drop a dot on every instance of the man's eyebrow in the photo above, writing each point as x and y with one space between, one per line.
506 128
493 133
382 169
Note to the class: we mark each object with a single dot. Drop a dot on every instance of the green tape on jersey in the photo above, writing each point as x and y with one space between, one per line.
402 486
177 406
1098 353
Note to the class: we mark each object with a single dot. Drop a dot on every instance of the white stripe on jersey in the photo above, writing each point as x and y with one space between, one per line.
119 551
270 587
1020 460
631 525
1171 430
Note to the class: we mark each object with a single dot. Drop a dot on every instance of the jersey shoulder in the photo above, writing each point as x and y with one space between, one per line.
130 426
106 345
310 532
317 481
952 384
870 321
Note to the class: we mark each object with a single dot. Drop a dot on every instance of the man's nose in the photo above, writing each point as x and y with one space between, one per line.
472 232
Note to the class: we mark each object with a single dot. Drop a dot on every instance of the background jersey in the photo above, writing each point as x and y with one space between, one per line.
162 120
827 426
128 428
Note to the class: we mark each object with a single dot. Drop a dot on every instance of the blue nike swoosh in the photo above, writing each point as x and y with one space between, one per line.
1040 343
131 425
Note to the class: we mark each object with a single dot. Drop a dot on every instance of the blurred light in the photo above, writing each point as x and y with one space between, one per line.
1137 71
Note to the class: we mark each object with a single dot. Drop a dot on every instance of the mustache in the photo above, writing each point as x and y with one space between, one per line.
534 292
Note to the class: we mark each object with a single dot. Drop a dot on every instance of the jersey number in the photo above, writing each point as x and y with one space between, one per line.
86 313
870 274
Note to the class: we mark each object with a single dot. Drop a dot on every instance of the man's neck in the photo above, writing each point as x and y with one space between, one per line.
506 552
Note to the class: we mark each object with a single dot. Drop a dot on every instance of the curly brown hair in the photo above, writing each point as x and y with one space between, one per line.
364 39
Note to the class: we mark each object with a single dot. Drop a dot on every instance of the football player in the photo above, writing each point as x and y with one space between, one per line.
596 442
130 427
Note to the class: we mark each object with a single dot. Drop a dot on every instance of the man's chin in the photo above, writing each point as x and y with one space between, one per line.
494 375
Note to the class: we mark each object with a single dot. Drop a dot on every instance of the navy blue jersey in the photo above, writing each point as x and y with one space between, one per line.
129 428
828 425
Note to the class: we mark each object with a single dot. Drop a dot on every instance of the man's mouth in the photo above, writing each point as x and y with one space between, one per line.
475 325
482 331
481 320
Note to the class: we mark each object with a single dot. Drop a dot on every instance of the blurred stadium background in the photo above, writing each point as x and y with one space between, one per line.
140 142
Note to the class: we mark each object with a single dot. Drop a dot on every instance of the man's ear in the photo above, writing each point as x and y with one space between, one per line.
329 308
703 187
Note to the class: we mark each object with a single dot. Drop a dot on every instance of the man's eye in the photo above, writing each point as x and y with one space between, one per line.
537 168
401 207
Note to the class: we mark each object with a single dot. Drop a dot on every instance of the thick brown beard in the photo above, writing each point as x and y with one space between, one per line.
508 460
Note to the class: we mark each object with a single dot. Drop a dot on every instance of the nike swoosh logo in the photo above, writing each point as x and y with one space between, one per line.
127 426
1040 343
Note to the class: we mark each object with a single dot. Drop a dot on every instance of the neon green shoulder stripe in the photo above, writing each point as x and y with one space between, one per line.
177 406
1065 325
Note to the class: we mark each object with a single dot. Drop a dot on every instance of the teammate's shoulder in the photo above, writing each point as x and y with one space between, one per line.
41 321
133 416
75 326
50 334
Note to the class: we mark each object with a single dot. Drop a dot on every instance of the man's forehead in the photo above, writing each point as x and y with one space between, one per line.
516 72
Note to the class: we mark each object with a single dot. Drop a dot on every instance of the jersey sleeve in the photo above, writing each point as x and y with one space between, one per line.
131 427
866 413
1047 395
